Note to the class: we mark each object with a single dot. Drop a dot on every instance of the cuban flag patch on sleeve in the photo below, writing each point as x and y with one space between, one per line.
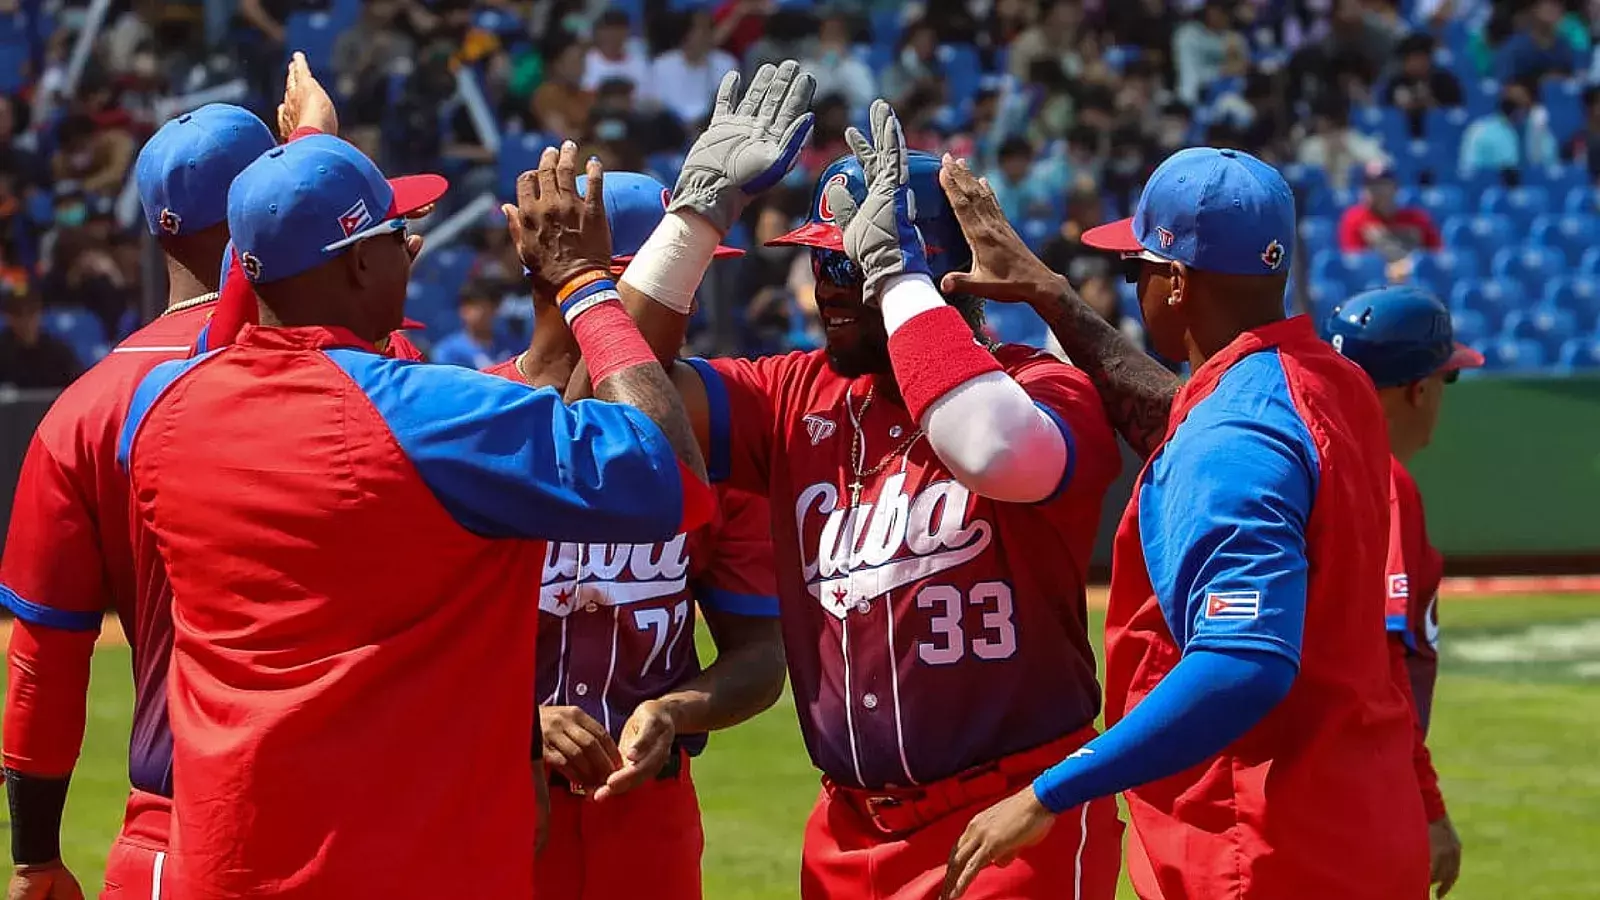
1233 605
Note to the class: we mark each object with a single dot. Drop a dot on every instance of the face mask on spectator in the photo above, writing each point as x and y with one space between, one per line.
71 216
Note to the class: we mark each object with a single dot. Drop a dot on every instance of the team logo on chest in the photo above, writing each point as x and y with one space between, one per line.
611 574
818 428
861 553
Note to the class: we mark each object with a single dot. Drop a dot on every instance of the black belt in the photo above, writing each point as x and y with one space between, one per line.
669 771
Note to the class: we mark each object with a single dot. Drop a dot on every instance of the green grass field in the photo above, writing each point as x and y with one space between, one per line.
1516 727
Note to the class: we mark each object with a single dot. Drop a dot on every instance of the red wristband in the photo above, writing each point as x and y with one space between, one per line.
934 352
609 341
303 131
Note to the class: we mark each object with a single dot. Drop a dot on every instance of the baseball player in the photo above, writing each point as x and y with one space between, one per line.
624 702
1255 723
934 505
69 555
1403 338
350 541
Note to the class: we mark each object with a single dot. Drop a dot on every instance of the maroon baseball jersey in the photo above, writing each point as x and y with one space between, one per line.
928 629
616 623
1414 571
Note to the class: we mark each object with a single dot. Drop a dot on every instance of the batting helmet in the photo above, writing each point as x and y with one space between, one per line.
1398 335
941 233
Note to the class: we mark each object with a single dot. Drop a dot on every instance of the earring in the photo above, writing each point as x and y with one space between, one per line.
1172 299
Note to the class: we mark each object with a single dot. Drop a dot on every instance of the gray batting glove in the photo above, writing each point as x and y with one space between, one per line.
749 148
881 234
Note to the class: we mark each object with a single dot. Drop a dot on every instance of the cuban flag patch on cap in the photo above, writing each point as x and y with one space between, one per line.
355 218
1233 605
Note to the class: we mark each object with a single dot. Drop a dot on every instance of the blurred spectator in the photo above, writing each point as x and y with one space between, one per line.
16 153
1514 136
916 66
827 136
96 158
685 79
1536 49
616 119
1419 86
1584 148
1201 46
1334 147
83 272
1065 252
1346 60
1020 195
1054 37
30 358
782 34
835 66
741 24
479 343
561 104
976 141
1439 13
1380 224
615 54
363 55
1147 25
1172 129
1099 291
766 277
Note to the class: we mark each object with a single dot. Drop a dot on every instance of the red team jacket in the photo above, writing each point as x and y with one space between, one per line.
1305 804
1412 579
929 630
616 623
350 539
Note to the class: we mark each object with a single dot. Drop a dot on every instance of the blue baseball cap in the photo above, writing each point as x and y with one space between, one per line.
1398 334
185 168
1221 211
303 203
635 205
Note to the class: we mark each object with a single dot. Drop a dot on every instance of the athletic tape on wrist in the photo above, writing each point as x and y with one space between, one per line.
609 340
669 267
932 353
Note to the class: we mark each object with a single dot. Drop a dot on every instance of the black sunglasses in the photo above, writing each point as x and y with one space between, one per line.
835 267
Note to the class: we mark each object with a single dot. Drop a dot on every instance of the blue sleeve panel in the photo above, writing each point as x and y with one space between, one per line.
1223 512
719 462
1208 701
756 605
1072 452
509 461
49 616
155 383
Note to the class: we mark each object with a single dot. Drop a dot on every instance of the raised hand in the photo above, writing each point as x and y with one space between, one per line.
749 145
881 235
558 234
305 102
1003 268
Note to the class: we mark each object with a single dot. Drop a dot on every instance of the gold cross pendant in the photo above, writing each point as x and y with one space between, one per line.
855 493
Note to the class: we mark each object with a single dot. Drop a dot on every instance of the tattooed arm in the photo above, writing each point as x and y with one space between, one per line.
1135 390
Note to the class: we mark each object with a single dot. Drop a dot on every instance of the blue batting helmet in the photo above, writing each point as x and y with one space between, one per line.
941 233
1398 335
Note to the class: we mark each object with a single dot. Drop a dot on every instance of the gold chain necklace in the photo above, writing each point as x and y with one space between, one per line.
190 303
855 446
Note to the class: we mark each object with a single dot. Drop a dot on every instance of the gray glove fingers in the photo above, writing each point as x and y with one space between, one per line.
798 99
842 204
727 93
863 151
795 138
777 91
895 150
757 92
889 142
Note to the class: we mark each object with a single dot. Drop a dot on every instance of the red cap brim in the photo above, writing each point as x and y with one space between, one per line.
1115 236
413 192
1462 357
720 253
411 325
812 234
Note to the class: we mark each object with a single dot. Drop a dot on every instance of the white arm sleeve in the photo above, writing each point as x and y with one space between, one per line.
987 430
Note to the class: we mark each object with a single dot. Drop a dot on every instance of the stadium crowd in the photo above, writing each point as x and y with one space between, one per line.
1453 143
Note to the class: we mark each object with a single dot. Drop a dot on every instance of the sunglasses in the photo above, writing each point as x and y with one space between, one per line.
1133 264
835 267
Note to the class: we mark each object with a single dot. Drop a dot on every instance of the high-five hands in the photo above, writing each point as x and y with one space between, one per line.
305 101
1003 268
749 145
881 235
558 234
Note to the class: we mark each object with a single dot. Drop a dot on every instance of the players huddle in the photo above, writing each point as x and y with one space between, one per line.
405 630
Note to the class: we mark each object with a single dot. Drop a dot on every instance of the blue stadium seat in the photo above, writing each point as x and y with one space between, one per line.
1386 123
1468 325
1580 294
1579 353
1492 298
1481 94
1506 355
1581 201
1016 323
887 24
80 329
1319 233
1441 270
1444 127
1559 180
313 33
962 71
1530 265
1563 99
1442 201
1036 231
1483 233
434 307
518 154
1519 204
1311 193
1572 235
1546 326
1324 296
1356 271
665 166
